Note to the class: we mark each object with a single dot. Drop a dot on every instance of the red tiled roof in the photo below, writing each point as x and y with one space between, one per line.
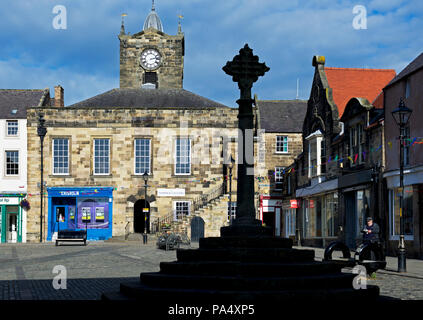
347 83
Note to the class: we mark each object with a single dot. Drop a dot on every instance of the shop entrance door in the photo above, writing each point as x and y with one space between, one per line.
350 220
12 227
60 218
269 220
278 222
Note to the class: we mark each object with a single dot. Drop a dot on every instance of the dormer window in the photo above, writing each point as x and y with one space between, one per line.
12 128
356 144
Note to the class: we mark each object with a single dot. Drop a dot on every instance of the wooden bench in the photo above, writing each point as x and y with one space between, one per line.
72 236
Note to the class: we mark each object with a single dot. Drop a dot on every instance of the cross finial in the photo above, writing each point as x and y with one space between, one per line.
152 6
122 27
245 69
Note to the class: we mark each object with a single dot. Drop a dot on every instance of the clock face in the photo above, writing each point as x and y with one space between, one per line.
150 59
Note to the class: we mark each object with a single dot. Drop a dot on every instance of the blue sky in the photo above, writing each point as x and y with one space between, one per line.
286 34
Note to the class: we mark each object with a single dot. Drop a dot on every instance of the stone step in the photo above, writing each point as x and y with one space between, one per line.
250 268
138 291
242 242
213 282
246 255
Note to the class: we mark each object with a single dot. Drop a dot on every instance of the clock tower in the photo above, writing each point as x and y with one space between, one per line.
151 58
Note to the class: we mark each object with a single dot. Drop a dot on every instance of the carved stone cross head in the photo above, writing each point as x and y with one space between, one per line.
245 69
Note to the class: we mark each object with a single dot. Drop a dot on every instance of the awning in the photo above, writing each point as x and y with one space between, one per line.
317 188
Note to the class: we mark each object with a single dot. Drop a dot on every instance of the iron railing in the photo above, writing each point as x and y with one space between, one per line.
197 203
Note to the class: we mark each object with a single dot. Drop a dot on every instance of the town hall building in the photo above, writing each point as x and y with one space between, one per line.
100 152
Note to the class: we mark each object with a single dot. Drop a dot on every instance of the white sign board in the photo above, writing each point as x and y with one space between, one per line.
9 200
170 192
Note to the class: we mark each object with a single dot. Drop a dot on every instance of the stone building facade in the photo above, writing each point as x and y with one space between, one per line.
323 174
278 143
407 85
121 126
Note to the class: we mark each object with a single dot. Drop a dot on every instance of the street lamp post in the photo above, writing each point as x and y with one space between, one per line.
231 165
145 237
402 116
41 131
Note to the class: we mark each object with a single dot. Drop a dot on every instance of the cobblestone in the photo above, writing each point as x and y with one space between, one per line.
26 270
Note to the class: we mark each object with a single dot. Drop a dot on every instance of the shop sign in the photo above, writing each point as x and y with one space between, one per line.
9 200
359 195
311 204
170 192
145 210
69 193
294 204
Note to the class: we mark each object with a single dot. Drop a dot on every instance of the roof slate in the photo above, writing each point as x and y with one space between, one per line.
347 83
148 98
415 65
20 100
282 115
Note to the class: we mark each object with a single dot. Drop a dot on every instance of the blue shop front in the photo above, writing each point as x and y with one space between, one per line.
82 208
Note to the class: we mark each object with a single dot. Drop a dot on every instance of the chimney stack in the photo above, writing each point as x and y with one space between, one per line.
59 100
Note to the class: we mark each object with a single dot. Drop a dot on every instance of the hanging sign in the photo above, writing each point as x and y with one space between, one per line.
294 204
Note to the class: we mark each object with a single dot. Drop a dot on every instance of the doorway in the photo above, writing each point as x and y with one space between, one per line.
197 229
269 220
141 216
350 219
12 227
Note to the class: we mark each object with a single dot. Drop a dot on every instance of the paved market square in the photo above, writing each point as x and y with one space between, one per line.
26 270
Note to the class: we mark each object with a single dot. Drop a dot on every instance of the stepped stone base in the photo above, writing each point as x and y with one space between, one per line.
244 270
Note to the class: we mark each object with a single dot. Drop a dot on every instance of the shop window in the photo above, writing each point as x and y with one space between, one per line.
181 209
290 222
86 214
183 156
330 212
12 128
394 213
142 156
12 163
231 210
281 144
60 156
101 156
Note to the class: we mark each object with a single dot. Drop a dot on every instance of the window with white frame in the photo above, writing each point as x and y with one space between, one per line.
181 209
281 144
142 156
61 156
12 127
279 178
231 210
313 158
183 156
101 156
12 163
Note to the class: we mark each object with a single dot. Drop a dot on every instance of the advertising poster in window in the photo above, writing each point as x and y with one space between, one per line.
96 213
